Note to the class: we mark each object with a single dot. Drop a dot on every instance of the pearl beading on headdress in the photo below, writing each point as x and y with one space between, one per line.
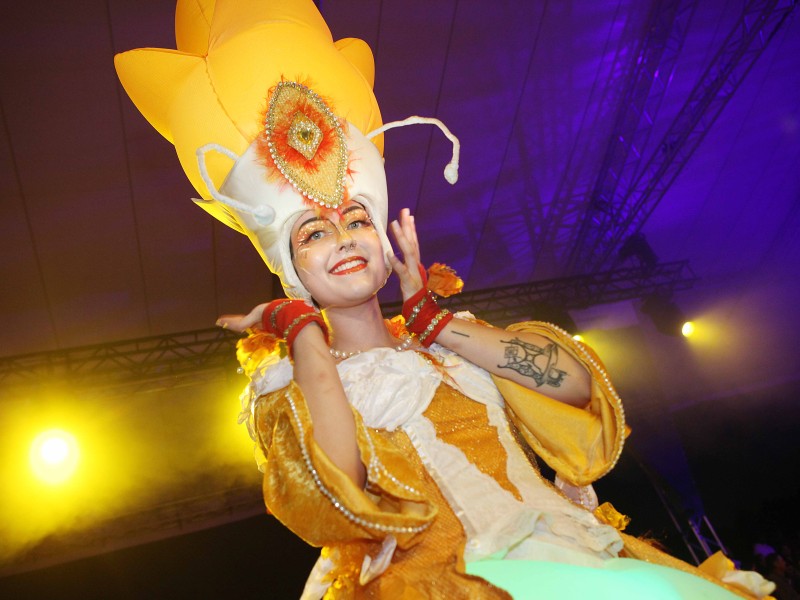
326 199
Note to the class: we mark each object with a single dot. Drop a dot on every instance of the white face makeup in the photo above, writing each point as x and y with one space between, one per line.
338 255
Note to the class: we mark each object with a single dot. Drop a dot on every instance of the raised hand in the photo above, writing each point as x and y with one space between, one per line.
409 270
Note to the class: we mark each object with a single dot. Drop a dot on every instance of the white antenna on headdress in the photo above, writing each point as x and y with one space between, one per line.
264 215
451 170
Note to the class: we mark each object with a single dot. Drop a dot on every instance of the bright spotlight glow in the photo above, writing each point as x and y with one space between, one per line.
54 456
54 451
577 337
688 329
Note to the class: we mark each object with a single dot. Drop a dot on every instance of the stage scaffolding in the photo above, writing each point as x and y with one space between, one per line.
172 357
620 205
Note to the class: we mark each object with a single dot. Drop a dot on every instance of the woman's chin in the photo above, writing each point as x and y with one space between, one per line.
354 295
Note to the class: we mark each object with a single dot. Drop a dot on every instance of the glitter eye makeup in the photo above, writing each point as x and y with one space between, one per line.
318 227
313 231
356 218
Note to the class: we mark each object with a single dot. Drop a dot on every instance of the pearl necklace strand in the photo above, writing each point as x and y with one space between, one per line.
339 354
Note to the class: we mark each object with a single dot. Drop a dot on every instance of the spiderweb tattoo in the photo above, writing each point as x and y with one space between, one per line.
530 360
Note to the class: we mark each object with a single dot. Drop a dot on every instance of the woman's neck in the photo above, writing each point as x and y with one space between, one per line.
358 328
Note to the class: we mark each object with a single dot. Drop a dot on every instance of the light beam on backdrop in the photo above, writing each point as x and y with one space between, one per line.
96 469
54 456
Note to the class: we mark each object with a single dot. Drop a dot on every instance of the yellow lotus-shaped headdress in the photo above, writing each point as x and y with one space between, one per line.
219 86
230 53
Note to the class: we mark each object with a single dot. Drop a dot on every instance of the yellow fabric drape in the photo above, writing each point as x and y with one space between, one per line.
426 565
291 489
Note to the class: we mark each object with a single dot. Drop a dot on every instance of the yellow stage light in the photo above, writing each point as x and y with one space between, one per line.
54 456
688 329
577 337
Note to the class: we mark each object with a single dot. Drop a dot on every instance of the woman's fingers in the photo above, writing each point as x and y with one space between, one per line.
397 265
232 322
410 257
241 323
405 234
409 231
408 269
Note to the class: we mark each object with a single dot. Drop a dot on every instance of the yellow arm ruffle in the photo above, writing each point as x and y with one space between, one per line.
580 444
721 567
316 500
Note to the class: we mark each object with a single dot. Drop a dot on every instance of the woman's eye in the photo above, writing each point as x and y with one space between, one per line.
311 236
359 222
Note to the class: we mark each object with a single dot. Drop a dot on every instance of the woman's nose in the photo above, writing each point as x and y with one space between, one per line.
345 239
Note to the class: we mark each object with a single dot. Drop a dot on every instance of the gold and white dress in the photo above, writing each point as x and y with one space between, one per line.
454 499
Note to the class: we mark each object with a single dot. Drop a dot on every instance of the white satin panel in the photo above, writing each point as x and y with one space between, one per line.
494 520
387 387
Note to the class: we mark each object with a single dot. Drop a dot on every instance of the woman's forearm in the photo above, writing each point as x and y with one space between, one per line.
531 360
334 425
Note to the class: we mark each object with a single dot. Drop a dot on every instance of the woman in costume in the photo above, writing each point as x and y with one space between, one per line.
400 449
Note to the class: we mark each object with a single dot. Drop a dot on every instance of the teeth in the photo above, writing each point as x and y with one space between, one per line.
348 265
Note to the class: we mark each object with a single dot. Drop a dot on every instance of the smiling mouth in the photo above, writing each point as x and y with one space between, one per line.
350 265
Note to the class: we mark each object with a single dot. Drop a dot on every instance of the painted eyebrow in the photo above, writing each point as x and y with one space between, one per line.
311 220
352 208
344 212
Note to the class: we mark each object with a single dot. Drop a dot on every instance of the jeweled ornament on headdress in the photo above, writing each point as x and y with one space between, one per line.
306 143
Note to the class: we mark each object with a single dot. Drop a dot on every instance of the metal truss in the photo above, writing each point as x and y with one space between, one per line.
610 220
176 357
694 527
706 541
504 305
147 359
646 82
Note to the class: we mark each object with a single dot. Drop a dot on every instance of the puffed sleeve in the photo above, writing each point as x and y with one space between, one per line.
315 499
580 444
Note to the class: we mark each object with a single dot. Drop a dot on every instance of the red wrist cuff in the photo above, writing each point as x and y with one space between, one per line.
424 317
286 318
413 306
